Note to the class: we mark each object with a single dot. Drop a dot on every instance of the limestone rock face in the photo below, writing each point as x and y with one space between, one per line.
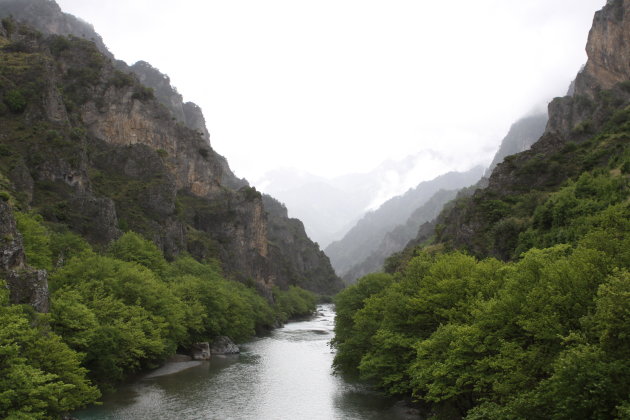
608 49
161 85
11 247
29 286
295 258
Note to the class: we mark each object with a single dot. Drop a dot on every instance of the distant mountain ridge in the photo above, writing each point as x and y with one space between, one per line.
365 237
522 134
341 201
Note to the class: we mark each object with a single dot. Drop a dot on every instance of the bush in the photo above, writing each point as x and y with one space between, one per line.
143 93
15 101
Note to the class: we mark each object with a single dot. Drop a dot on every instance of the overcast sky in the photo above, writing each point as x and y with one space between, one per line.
338 86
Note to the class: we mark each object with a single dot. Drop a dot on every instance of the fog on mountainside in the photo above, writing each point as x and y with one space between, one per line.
330 207
521 136
366 235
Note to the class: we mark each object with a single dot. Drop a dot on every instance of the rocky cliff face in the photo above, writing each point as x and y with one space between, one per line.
296 258
608 50
89 146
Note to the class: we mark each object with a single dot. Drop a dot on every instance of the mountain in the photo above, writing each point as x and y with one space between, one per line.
294 256
365 237
334 208
491 221
397 238
107 153
343 200
513 302
521 136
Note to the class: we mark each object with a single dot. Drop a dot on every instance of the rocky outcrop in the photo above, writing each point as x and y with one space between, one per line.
608 50
25 284
201 351
188 113
223 345
296 260
11 247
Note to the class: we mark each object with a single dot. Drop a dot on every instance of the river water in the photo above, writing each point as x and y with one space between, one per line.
286 375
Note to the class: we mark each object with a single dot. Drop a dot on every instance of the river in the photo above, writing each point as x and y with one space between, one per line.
286 375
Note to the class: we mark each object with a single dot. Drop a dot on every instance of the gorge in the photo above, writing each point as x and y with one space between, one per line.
127 241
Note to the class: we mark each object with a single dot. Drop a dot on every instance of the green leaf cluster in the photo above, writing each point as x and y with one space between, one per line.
40 376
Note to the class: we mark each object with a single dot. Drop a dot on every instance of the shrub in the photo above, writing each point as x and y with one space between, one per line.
143 93
15 101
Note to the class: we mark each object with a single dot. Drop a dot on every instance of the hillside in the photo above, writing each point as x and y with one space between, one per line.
514 302
396 239
150 166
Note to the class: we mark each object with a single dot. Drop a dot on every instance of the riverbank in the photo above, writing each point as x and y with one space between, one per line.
284 375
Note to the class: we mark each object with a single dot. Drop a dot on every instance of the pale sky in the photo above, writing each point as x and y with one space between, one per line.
338 86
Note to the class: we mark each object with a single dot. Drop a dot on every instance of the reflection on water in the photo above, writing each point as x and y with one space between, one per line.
286 375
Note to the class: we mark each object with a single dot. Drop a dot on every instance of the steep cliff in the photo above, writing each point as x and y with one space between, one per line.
295 257
89 146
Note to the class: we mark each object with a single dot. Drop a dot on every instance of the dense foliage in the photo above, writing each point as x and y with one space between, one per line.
544 336
115 313
40 376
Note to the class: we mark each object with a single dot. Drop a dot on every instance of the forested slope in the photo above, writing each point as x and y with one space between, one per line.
519 306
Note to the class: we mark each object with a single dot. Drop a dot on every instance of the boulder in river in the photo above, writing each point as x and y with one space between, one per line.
224 345
201 351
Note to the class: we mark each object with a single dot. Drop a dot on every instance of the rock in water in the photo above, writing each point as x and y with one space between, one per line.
201 351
